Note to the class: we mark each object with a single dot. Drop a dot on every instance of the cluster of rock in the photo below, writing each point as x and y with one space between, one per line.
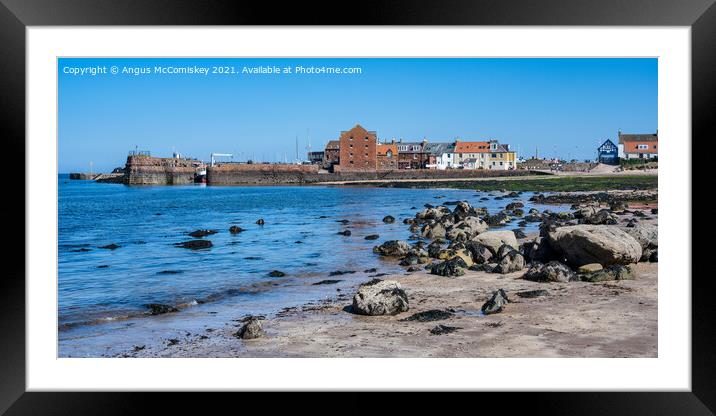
586 243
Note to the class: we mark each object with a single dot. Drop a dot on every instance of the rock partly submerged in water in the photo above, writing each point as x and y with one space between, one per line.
235 229
327 282
372 237
202 233
110 247
251 329
392 248
380 297
388 219
195 244
277 273
344 233
160 308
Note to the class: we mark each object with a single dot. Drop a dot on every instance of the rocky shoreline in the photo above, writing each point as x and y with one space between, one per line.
584 286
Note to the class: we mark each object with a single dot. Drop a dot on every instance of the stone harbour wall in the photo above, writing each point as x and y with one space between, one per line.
237 174
147 170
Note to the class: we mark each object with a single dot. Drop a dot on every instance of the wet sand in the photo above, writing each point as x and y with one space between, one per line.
576 319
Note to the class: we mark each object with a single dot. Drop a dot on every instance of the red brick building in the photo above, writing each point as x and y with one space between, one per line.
332 153
358 150
412 155
387 156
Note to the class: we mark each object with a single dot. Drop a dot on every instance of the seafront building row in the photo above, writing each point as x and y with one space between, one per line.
359 149
358 155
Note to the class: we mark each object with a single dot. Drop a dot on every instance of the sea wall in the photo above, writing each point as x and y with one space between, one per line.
262 173
268 174
147 170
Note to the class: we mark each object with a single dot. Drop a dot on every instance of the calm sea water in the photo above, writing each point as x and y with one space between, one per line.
102 293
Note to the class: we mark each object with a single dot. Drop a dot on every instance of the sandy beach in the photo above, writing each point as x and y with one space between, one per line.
576 319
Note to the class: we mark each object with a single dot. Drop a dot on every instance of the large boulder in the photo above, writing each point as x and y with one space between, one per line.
553 271
603 216
497 219
511 261
392 248
466 229
432 213
463 210
615 272
648 237
539 250
380 297
603 244
480 254
454 267
493 240
434 231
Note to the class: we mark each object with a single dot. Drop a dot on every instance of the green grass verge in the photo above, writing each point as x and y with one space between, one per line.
552 184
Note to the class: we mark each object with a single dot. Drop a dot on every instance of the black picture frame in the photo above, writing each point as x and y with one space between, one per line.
16 15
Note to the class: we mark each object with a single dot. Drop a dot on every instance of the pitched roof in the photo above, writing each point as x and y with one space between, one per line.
383 148
472 147
413 147
333 145
439 148
638 138
605 143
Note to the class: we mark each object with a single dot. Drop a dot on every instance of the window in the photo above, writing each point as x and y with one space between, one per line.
642 146
366 145
350 138
389 154
494 155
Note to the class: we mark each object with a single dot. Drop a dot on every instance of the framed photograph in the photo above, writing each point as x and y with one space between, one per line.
470 197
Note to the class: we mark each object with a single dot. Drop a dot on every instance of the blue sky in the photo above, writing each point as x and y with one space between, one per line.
561 106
